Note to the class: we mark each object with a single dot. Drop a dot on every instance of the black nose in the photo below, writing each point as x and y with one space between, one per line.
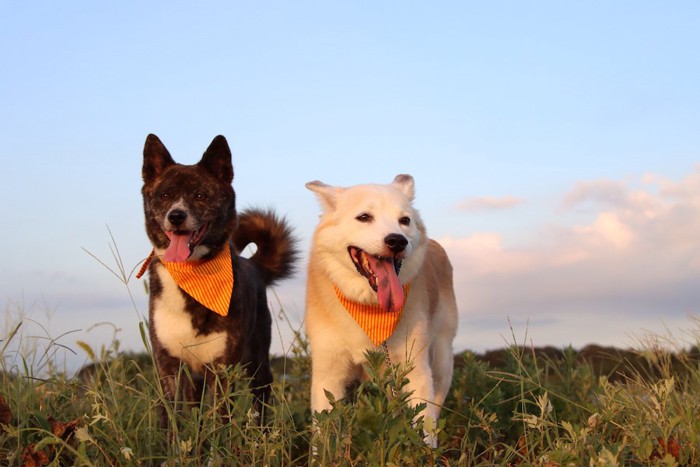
396 242
177 217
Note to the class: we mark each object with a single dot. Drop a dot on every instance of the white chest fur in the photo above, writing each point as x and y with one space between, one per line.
173 327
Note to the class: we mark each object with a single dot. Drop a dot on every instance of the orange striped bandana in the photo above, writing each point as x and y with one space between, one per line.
209 282
378 324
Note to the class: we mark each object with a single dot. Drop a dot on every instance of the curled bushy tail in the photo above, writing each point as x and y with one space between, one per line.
277 251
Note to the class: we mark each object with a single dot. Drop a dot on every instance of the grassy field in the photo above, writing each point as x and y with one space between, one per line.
517 406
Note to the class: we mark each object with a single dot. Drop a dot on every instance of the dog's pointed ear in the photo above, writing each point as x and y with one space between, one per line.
217 160
156 159
327 195
406 184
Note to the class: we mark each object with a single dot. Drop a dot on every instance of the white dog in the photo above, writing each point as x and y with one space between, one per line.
377 281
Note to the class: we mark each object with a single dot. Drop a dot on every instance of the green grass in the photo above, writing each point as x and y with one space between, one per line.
519 406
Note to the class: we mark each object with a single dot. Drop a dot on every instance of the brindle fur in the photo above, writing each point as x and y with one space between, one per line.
205 192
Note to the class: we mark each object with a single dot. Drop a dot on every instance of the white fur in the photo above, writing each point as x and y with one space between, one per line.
423 337
173 327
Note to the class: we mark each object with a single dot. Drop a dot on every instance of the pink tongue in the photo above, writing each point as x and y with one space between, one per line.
179 249
389 288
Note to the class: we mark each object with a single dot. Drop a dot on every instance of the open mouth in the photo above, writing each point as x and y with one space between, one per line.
183 243
382 273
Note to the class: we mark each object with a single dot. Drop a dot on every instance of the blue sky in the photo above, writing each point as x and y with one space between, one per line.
555 148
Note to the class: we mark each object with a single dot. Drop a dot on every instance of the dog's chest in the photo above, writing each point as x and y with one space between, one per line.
174 330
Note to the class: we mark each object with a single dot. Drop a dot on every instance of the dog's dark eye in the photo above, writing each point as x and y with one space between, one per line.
164 196
405 220
365 217
200 197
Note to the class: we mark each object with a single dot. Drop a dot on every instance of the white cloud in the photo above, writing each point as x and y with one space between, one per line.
606 230
634 262
489 203
602 191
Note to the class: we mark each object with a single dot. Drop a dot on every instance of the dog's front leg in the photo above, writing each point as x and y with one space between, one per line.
420 385
178 387
330 373
261 387
220 384
328 376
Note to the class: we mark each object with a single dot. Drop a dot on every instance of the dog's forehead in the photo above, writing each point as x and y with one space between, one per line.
371 197
185 178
